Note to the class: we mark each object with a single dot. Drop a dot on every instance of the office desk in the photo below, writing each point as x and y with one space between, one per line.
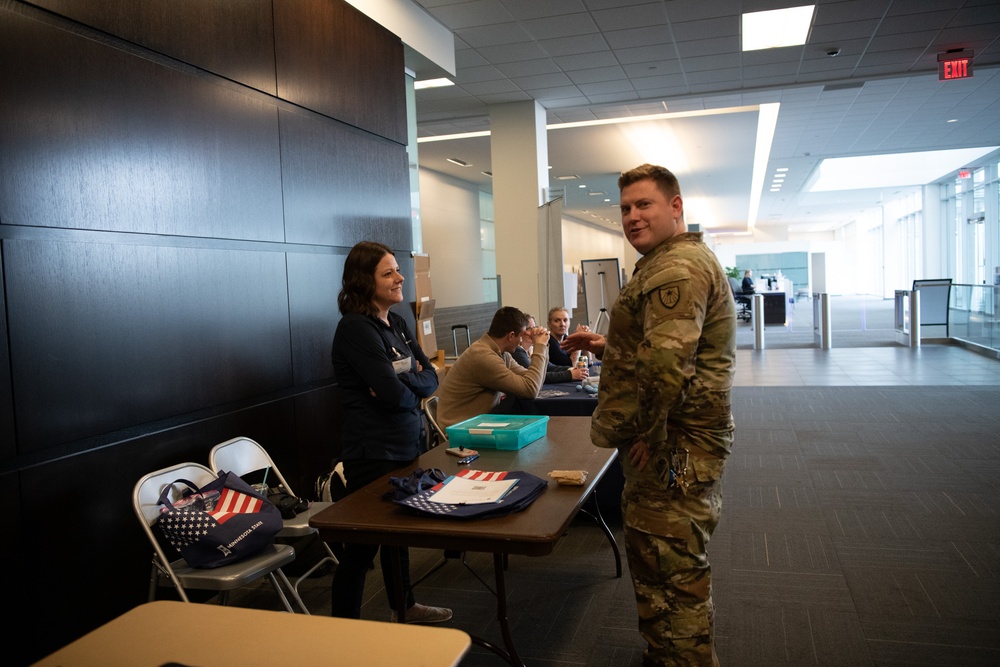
363 517
774 308
162 632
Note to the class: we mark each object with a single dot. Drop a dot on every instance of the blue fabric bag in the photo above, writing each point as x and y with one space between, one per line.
522 494
220 523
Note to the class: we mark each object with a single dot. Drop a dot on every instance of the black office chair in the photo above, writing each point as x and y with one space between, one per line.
742 300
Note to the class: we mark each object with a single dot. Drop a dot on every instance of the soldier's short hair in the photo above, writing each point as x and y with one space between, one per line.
663 177
506 320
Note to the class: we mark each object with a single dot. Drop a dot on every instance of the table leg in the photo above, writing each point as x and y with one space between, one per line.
499 565
510 655
596 516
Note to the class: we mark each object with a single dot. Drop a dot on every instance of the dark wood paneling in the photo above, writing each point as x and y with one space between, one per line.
342 186
313 285
335 60
7 442
318 420
98 565
97 138
233 39
105 337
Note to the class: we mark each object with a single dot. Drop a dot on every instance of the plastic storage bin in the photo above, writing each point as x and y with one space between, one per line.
497 431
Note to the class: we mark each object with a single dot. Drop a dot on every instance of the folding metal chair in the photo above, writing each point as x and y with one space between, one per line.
183 577
430 411
242 456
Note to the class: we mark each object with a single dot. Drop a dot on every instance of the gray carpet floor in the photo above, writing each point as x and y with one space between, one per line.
860 526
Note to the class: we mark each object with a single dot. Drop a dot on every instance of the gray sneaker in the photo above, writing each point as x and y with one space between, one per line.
421 613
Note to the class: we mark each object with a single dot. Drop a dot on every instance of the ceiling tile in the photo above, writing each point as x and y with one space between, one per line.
560 26
470 14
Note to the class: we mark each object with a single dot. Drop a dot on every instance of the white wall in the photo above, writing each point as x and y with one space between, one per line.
583 241
449 211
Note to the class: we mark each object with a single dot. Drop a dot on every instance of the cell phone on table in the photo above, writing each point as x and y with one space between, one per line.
468 459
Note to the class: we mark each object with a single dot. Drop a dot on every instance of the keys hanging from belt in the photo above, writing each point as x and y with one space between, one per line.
678 468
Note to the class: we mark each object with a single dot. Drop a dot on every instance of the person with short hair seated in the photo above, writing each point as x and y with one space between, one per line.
553 374
486 374
559 327
748 287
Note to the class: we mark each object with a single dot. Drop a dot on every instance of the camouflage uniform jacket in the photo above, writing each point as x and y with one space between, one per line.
670 351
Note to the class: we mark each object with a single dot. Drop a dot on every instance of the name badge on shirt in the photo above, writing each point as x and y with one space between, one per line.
401 365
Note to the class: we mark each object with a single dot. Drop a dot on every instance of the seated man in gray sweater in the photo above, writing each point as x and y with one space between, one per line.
553 374
485 372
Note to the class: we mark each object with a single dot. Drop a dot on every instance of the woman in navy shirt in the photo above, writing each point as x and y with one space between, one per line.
382 376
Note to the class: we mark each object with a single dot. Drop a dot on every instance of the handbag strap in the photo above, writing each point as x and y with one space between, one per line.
164 500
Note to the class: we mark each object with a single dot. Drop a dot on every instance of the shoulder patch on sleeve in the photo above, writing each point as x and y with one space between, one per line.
665 277
669 296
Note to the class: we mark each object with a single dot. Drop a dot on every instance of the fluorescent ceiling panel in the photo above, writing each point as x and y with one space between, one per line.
433 83
886 171
776 28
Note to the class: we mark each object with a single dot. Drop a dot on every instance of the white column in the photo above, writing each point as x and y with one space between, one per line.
519 159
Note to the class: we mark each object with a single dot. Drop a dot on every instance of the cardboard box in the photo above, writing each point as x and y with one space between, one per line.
425 327
422 277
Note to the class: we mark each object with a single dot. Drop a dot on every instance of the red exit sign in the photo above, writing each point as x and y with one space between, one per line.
954 65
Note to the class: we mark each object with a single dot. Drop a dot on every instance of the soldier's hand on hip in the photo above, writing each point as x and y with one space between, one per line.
639 454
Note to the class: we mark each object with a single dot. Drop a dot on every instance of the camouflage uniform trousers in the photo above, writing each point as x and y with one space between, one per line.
667 529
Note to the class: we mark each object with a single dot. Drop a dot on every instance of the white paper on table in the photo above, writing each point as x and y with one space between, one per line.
459 491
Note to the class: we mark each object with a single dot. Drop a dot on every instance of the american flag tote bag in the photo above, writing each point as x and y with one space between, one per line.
218 524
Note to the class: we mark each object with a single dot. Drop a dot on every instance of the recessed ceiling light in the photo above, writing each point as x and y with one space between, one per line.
570 177
893 170
782 169
952 120
460 163
775 189
432 83
487 173
597 194
777 27
582 185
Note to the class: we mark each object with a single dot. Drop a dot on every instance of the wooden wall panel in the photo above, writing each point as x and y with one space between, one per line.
318 42
318 420
233 39
152 303
96 138
343 186
104 337
7 440
313 285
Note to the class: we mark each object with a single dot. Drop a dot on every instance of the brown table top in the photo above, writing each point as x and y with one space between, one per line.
163 632
363 517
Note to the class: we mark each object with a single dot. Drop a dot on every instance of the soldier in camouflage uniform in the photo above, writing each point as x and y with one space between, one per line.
664 404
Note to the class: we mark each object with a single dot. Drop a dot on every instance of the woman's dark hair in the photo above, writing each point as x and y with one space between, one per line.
358 285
